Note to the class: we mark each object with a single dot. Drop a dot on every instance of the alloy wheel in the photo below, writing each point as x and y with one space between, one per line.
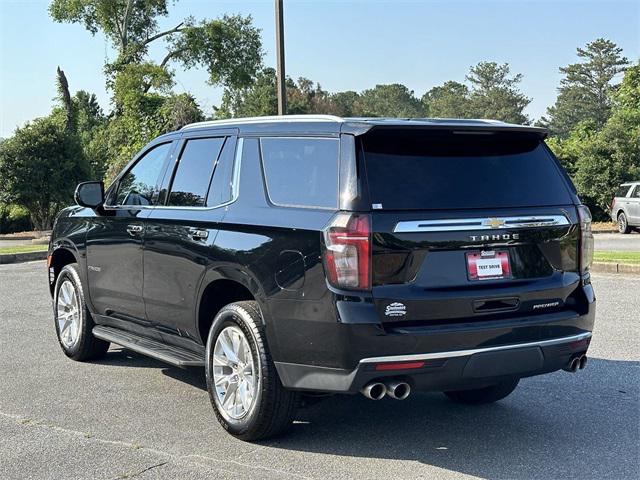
234 373
68 314
622 223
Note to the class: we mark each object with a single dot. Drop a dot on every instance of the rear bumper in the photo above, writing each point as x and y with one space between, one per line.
449 357
450 370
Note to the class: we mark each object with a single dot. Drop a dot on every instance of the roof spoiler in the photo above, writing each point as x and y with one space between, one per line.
484 127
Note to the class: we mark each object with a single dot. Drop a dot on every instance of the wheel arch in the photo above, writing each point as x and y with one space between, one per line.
222 286
60 257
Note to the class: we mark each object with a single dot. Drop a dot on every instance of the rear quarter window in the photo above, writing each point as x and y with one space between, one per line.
301 172
622 191
446 170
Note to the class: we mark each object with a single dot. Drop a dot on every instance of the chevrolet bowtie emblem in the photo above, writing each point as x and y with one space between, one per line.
494 222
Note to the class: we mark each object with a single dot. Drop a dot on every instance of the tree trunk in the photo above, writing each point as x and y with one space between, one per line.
63 87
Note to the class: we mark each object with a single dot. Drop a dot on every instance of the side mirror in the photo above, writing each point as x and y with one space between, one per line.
90 194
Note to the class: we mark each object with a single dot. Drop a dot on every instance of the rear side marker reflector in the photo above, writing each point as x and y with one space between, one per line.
579 344
384 367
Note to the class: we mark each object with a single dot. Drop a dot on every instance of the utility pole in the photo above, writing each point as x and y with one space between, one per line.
280 75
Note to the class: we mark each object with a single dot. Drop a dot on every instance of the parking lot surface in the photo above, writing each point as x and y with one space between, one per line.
617 242
128 416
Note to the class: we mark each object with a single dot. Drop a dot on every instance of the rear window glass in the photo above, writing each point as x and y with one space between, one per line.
445 170
622 191
301 171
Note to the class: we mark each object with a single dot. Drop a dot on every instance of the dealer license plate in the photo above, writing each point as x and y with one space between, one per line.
488 265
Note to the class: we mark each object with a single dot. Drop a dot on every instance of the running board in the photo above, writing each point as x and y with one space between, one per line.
152 348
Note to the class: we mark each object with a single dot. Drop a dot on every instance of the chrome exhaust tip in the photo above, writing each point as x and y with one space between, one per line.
573 365
398 390
583 362
374 391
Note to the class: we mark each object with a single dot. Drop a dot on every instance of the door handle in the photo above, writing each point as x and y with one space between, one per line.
198 233
134 229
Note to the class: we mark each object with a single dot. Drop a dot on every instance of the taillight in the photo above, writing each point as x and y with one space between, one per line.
586 238
347 254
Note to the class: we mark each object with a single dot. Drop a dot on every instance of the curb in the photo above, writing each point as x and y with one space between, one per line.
6 258
611 267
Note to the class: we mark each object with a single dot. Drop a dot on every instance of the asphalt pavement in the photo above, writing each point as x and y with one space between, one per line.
128 416
617 242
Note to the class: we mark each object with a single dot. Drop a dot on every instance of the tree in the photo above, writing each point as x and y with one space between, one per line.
344 103
303 96
495 94
450 100
600 160
613 154
392 100
144 103
257 100
228 47
585 92
40 166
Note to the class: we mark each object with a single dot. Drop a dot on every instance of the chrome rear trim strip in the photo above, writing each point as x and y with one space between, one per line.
490 223
466 353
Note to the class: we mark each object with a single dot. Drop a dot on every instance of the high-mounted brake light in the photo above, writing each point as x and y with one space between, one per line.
586 238
347 254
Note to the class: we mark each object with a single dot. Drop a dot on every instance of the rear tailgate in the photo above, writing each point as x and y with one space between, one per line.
469 227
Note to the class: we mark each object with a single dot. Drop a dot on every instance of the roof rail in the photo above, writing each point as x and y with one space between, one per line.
272 118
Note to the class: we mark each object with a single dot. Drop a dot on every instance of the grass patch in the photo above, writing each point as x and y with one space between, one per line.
23 249
617 257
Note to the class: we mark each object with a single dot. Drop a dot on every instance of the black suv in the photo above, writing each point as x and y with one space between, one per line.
300 255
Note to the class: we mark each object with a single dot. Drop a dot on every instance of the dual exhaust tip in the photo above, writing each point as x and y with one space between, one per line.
576 363
400 390
394 389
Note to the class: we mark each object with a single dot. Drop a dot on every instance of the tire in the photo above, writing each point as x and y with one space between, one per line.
74 330
623 223
484 395
271 408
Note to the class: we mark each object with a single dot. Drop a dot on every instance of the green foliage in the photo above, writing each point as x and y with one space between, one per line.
122 21
147 109
495 95
14 218
258 100
144 104
393 100
303 96
40 166
345 103
586 91
229 48
600 160
450 100
178 111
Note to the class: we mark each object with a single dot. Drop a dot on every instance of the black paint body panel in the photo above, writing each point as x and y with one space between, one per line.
152 284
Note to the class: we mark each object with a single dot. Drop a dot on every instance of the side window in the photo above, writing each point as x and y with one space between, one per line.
220 190
193 175
622 191
637 192
138 185
301 171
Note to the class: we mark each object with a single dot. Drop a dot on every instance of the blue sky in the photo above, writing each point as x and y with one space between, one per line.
344 45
